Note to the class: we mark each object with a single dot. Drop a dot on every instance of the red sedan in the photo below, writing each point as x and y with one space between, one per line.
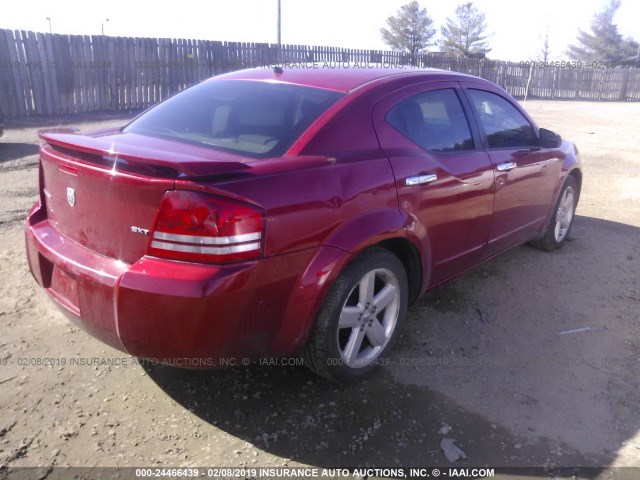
271 213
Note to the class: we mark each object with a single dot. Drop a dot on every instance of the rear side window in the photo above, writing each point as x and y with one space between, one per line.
256 119
433 120
503 124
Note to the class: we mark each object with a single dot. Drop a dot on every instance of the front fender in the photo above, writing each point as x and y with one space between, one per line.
571 164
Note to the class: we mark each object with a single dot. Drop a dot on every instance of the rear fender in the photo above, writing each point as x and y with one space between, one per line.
338 250
367 229
305 302
373 228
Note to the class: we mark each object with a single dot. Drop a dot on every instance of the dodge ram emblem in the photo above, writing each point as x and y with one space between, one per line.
71 196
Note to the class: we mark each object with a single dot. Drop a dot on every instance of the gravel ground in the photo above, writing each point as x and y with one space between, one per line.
481 360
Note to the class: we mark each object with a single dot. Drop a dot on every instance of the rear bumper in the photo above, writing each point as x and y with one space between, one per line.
185 314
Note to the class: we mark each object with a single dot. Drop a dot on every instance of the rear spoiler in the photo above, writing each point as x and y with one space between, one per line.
122 153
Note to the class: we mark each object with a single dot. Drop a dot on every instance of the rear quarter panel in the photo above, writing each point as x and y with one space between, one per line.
331 208
315 205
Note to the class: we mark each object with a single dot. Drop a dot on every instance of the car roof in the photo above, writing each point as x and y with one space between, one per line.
342 77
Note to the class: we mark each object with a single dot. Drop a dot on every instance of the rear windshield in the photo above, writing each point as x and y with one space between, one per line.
257 119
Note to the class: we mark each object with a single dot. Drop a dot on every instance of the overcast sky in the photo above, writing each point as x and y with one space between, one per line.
517 26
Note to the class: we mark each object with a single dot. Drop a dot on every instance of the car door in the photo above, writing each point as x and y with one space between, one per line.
443 177
524 172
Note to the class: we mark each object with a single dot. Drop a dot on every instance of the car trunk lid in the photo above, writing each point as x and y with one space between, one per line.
104 191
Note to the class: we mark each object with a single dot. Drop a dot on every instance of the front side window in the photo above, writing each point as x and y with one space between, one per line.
503 124
433 120
257 119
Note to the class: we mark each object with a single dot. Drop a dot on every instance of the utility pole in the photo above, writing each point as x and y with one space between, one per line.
279 24
50 29
102 25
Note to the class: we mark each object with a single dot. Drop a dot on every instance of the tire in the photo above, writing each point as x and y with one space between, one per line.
561 221
357 326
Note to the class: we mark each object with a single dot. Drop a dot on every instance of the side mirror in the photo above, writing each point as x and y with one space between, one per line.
549 139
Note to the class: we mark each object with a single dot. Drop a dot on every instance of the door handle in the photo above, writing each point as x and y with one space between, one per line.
506 166
421 179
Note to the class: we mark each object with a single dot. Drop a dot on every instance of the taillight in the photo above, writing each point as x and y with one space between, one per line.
200 227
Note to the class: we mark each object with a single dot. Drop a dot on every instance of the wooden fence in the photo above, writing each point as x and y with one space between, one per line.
44 74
